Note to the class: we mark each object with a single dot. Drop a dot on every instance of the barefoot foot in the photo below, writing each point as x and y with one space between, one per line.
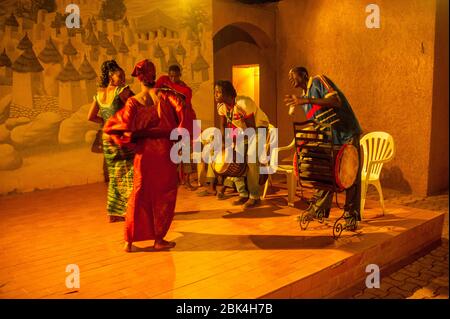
128 247
163 244
114 219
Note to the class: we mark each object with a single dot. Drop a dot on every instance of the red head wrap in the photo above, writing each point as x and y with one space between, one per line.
145 71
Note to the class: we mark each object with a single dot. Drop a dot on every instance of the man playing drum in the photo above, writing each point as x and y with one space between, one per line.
321 95
236 115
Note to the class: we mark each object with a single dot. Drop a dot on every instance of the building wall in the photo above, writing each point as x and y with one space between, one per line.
240 53
438 173
395 77
226 12
258 21
386 73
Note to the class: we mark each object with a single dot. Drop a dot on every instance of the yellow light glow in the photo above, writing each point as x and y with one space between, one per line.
246 81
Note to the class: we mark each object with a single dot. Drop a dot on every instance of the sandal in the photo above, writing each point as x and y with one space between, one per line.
221 196
205 193
114 218
240 201
350 221
190 187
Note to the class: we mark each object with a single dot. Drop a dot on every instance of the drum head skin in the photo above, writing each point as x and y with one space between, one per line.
219 166
347 165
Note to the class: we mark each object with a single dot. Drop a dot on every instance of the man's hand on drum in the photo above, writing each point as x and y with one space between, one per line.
293 100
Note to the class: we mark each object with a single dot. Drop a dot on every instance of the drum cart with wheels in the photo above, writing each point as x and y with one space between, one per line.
323 165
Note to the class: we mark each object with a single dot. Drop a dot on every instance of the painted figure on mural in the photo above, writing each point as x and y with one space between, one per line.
320 94
111 97
145 125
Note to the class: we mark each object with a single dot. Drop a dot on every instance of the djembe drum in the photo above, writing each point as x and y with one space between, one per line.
222 167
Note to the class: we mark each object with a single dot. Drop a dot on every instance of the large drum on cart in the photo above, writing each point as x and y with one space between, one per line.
321 164
329 167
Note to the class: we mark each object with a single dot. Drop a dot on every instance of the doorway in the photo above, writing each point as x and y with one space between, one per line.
246 80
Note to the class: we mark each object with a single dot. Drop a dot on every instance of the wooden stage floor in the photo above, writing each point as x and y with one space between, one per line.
221 252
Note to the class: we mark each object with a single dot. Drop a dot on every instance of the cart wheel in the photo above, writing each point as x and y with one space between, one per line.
304 219
321 216
338 227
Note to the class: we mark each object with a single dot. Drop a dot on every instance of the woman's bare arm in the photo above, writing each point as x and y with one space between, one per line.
92 114
125 94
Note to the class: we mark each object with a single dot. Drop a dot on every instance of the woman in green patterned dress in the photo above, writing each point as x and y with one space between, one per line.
111 97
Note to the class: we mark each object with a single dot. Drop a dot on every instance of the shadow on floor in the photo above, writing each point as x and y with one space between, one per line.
267 209
190 241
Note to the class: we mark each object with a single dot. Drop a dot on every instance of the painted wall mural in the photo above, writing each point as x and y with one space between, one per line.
48 76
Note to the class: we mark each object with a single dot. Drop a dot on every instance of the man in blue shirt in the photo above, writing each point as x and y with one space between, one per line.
320 95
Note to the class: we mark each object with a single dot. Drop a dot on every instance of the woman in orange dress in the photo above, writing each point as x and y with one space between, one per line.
144 124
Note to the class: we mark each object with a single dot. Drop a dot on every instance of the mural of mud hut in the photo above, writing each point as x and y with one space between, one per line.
200 68
27 72
88 78
59 66
70 97
52 60
5 74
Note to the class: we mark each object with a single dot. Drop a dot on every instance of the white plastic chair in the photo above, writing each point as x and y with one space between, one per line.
378 148
288 170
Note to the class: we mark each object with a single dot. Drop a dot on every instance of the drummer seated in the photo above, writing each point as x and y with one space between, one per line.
207 179
248 186
205 174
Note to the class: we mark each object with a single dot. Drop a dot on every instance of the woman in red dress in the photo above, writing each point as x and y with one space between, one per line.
145 124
